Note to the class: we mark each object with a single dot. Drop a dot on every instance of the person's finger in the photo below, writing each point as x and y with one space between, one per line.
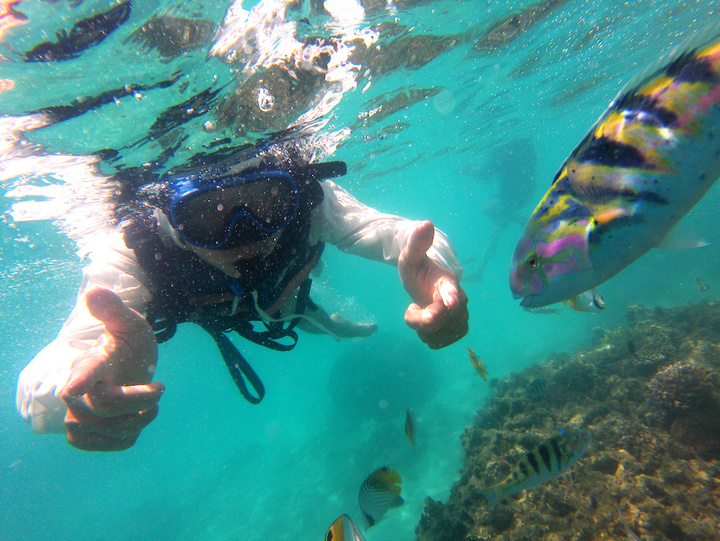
413 316
89 369
80 421
112 400
436 325
419 243
88 441
449 334
445 336
118 319
428 319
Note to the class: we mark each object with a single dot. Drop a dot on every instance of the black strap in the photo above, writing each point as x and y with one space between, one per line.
237 365
269 337
234 360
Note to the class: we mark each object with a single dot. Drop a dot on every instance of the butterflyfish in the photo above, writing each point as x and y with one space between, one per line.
551 458
652 155
343 529
477 363
378 493
589 301
410 426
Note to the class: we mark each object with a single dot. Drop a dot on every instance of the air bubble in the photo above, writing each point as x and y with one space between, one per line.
265 100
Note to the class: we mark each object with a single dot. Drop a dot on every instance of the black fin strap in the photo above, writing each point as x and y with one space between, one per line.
238 366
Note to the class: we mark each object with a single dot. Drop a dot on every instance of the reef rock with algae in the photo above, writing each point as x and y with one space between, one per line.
649 393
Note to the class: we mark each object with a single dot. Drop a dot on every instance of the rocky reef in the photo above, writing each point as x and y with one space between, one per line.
650 394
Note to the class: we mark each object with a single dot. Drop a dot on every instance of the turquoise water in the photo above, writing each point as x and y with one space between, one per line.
214 467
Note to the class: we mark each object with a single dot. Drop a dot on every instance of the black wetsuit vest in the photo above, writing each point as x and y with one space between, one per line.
187 289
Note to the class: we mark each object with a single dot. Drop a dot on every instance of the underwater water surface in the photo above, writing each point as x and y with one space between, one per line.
439 103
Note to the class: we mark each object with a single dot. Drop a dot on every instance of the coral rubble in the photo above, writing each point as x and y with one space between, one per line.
649 393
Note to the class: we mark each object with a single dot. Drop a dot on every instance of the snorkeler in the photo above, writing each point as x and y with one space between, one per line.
222 246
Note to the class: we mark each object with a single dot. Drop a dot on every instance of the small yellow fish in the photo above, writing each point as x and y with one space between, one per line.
410 426
702 285
477 363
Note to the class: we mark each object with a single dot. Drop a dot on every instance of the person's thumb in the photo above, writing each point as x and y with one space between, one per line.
447 292
419 243
106 306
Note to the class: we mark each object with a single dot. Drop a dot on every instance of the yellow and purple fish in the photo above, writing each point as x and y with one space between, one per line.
551 458
650 158
378 493
343 529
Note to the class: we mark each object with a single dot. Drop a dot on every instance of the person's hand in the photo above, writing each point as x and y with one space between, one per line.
439 312
109 394
345 328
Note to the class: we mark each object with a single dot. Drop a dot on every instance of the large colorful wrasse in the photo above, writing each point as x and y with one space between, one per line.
649 159
343 529
551 458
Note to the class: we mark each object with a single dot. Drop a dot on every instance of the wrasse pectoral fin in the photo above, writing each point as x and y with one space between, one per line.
682 237
609 219
610 215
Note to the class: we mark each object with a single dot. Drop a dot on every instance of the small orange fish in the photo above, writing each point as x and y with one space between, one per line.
410 426
477 363
702 285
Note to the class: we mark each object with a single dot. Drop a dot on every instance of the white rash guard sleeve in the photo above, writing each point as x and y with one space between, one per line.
113 266
341 220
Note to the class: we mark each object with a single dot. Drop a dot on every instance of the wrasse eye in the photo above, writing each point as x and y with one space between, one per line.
532 262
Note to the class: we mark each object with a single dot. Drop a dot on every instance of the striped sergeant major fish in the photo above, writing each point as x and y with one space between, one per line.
650 158
551 458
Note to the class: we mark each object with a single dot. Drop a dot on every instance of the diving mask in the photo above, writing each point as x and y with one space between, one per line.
233 210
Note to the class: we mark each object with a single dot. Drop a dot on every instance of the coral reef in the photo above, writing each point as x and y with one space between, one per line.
649 393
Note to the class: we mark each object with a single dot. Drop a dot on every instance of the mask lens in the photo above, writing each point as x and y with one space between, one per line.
236 210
